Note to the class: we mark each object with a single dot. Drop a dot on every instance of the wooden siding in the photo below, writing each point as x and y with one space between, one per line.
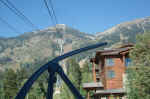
118 68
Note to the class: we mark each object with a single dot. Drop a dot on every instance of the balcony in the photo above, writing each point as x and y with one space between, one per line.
93 85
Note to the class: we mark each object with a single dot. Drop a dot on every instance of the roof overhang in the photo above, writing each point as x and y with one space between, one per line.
92 85
114 51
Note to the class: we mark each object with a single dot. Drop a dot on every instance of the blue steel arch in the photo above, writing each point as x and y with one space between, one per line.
53 67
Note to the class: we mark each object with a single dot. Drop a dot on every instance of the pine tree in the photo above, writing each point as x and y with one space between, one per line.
10 84
86 76
74 74
1 85
86 73
139 72
22 76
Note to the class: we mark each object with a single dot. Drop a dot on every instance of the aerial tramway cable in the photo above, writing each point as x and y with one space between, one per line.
53 11
49 12
9 26
13 9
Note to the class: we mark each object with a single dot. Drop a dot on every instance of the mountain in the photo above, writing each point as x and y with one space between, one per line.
40 45
43 45
125 32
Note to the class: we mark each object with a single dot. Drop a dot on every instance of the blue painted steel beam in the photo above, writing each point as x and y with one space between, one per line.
52 65
62 57
51 81
72 88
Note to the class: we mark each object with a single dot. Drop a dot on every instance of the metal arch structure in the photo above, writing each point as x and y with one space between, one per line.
54 67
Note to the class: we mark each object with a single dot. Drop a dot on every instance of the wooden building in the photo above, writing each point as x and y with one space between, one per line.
109 67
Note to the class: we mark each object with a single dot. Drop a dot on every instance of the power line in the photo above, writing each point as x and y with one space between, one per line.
26 18
9 26
53 11
12 7
49 11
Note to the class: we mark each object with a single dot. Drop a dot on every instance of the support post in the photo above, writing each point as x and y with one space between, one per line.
51 81
88 94
124 63
69 84
94 73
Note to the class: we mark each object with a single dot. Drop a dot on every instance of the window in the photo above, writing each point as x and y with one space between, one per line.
127 61
109 62
111 74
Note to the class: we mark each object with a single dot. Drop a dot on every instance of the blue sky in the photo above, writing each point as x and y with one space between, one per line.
89 16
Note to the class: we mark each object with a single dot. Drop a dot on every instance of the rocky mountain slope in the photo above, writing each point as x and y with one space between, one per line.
125 32
40 45
45 44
